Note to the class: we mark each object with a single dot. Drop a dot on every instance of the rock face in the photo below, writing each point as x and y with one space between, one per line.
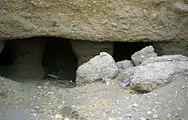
171 48
146 20
156 72
102 65
143 54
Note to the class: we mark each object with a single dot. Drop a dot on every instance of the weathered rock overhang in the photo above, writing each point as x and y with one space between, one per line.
124 20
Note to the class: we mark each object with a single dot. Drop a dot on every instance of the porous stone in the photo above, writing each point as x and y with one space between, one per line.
156 72
85 50
95 20
102 65
143 54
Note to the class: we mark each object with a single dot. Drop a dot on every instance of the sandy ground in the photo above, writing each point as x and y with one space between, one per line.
46 100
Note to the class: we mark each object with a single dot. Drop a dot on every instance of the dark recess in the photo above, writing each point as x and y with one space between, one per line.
58 58
124 50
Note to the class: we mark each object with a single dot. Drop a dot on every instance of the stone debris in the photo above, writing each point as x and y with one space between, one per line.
142 55
58 116
156 72
142 118
66 119
101 66
149 112
155 116
100 101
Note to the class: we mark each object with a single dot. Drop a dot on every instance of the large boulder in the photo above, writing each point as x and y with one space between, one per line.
156 72
143 54
97 68
96 20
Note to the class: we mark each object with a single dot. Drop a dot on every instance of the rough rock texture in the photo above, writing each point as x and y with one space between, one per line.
142 55
28 59
96 20
171 48
85 50
102 65
123 65
157 71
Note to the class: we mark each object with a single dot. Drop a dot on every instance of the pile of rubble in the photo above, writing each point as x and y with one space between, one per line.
144 73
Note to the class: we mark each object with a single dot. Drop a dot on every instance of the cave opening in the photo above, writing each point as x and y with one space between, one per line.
124 50
38 58
56 59
59 60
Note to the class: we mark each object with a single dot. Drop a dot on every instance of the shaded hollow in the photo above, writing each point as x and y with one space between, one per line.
124 50
59 59
33 58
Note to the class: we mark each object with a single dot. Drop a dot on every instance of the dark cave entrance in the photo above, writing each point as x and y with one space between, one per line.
38 58
59 59
124 50
56 59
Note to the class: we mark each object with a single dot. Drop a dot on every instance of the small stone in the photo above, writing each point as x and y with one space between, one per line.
37 107
58 116
33 114
129 115
183 86
155 116
110 119
176 115
169 115
135 105
39 87
66 118
142 118
126 98
149 112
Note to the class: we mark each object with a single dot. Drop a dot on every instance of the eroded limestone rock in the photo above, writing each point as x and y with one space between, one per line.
86 50
102 65
156 72
143 54
95 20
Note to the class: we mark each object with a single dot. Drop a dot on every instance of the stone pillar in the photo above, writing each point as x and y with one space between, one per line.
85 50
2 44
28 59
170 48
